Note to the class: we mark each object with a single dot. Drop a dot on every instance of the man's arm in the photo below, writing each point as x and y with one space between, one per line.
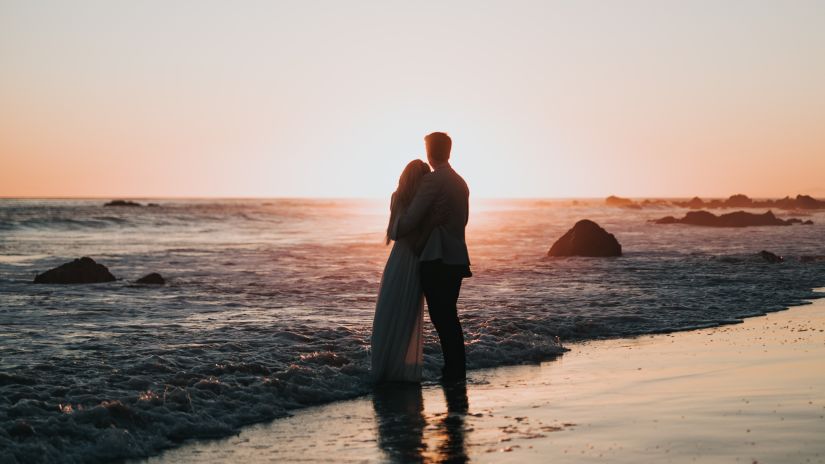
420 206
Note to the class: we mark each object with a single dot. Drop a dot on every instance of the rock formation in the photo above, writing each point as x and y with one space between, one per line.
736 219
743 201
586 238
80 271
126 203
770 257
613 200
152 279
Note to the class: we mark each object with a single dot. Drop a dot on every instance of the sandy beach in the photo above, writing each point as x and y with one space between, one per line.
750 392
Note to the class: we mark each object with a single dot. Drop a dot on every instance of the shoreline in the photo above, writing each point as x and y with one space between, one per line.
753 391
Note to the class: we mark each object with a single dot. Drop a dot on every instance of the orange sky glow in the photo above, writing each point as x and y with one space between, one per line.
331 98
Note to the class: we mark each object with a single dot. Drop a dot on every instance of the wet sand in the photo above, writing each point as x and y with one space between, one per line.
751 392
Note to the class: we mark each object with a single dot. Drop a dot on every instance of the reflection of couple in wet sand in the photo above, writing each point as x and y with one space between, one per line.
406 435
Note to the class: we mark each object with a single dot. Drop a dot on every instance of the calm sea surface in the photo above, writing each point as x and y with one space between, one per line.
269 306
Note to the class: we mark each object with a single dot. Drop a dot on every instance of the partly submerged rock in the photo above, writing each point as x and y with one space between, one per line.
80 271
152 279
21 429
737 219
127 203
667 220
613 200
770 257
586 238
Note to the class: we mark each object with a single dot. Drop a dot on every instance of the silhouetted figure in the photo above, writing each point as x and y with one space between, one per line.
397 339
442 199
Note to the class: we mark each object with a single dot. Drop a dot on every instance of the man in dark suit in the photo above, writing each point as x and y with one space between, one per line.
442 198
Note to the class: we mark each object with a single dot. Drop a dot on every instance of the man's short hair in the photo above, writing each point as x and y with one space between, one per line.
438 146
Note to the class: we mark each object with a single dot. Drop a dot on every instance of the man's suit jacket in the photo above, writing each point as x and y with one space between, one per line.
442 188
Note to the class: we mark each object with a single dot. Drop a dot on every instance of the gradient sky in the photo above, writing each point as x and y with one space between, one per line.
332 98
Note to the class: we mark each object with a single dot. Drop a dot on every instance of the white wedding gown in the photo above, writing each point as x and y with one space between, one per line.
397 328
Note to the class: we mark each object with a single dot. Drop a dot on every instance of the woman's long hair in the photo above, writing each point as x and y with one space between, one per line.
403 195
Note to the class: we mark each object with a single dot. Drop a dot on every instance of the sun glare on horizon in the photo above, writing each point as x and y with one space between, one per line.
543 99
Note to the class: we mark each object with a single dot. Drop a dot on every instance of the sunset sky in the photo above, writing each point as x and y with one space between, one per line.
332 98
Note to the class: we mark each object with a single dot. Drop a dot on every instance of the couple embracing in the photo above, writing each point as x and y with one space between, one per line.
429 259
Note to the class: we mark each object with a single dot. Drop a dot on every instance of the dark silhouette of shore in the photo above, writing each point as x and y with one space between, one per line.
801 202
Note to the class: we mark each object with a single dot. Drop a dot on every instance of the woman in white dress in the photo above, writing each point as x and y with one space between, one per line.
397 332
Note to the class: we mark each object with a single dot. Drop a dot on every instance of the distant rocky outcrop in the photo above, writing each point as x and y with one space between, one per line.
654 203
801 202
586 238
736 219
152 279
619 202
743 201
613 200
122 203
770 257
694 203
80 271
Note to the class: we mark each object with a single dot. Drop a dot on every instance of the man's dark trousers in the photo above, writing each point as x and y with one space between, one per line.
442 284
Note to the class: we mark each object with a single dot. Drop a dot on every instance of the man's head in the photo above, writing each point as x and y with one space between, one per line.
438 146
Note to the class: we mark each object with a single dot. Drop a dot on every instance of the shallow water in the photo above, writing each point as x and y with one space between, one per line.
708 396
270 303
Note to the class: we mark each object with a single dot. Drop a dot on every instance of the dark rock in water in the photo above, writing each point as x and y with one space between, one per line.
152 205
744 219
808 223
667 220
21 429
127 203
153 279
699 218
770 257
80 271
737 219
586 238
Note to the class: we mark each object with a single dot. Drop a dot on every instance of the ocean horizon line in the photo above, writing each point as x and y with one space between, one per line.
330 198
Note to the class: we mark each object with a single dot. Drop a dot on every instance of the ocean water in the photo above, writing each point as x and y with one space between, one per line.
269 306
